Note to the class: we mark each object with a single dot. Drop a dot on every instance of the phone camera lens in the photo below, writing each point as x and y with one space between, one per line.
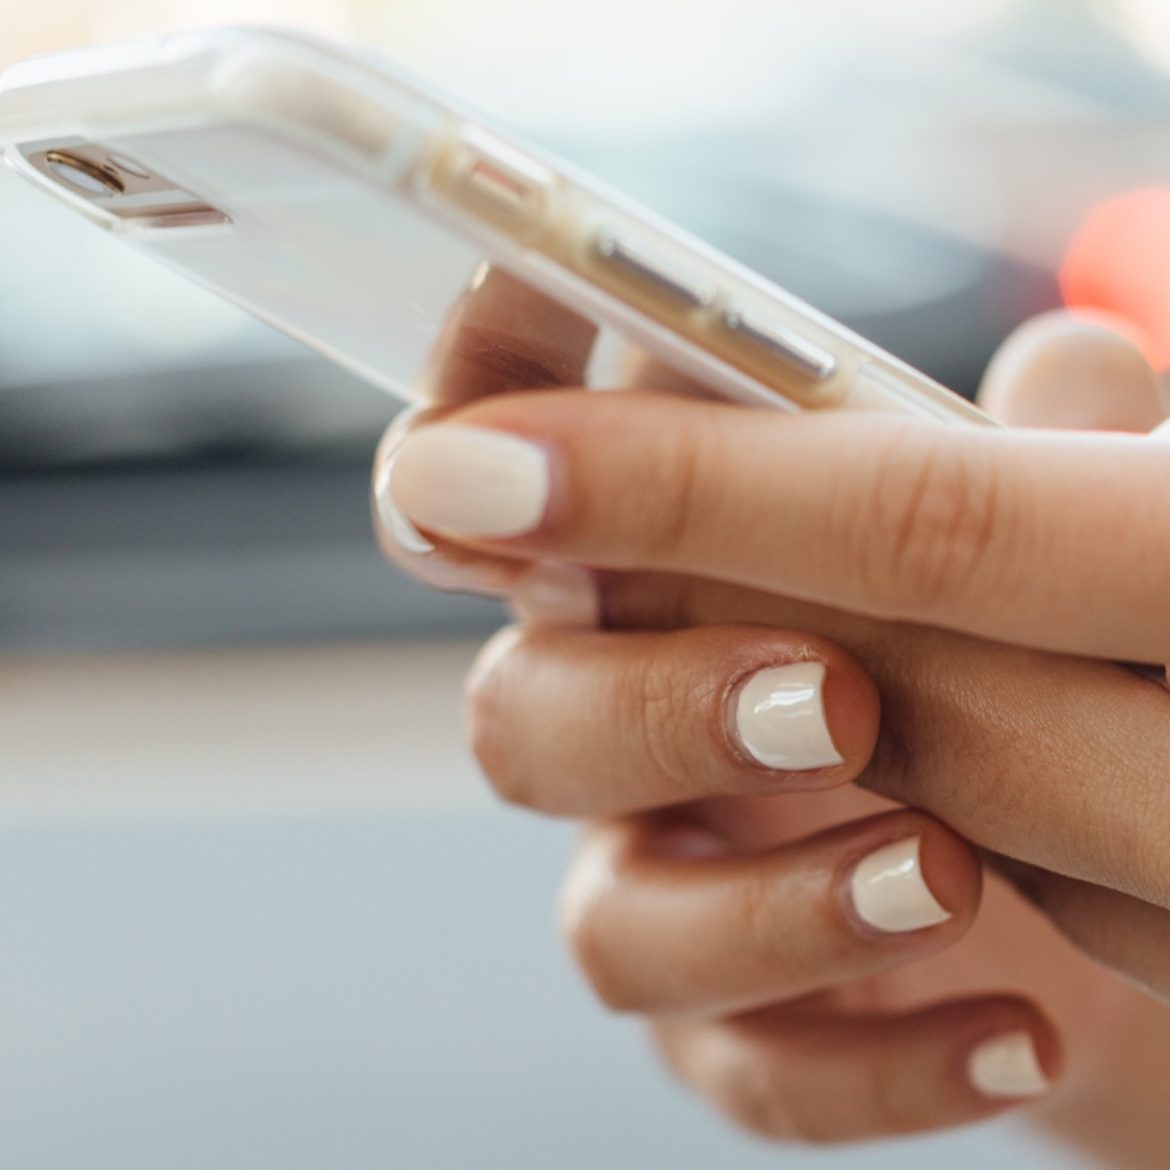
82 175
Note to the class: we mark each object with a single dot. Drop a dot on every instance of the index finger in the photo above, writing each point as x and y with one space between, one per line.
1051 540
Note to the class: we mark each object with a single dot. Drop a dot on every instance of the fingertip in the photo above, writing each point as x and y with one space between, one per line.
393 524
1073 371
835 1077
852 707
1010 1054
435 562
800 707
952 870
491 657
909 874
1007 1067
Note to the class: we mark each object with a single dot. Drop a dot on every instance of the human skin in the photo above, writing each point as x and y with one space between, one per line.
806 1023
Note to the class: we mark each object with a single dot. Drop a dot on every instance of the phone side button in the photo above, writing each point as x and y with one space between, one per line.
806 357
493 181
646 267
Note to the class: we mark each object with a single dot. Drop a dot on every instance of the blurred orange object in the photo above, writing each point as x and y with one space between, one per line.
1119 263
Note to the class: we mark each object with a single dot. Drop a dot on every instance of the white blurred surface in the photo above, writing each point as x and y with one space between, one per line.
270 733
256 911
909 109
78 304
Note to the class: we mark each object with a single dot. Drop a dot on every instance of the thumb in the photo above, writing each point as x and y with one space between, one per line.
1075 372
1071 372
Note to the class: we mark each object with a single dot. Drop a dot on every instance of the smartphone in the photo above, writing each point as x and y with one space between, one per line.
349 205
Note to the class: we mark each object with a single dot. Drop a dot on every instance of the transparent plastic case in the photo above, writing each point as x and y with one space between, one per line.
353 208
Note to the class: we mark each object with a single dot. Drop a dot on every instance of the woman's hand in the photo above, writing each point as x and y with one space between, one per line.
704 513
989 737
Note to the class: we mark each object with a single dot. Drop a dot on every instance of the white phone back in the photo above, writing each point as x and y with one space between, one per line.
320 158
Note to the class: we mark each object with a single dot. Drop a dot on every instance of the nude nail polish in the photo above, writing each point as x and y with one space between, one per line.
889 891
1007 1066
470 481
396 524
780 718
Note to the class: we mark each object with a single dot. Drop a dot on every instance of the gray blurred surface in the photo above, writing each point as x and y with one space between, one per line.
335 997
184 556
256 911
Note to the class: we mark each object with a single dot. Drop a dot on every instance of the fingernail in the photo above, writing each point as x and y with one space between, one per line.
780 718
555 594
396 524
470 481
890 893
1007 1066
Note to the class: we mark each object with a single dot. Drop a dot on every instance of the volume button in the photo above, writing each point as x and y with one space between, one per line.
495 182
646 267
805 356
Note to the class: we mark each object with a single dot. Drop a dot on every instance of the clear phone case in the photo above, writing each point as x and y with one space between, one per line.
352 207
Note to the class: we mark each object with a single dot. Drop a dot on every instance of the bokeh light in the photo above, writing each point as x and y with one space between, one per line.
1147 25
1118 263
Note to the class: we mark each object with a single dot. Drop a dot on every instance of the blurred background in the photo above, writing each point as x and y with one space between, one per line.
256 909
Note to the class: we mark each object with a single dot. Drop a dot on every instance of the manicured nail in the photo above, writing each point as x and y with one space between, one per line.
396 524
890 893
470 481
1007 1066
555 594
780 718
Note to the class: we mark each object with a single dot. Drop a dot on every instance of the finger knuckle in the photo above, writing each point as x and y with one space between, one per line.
593 955
494 751
754 1079
670 479
675 1046
772 1101
753 1104
489 725
669 704
759 1096
490 749
497 364
582 918
935 514
767 932
890 1111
